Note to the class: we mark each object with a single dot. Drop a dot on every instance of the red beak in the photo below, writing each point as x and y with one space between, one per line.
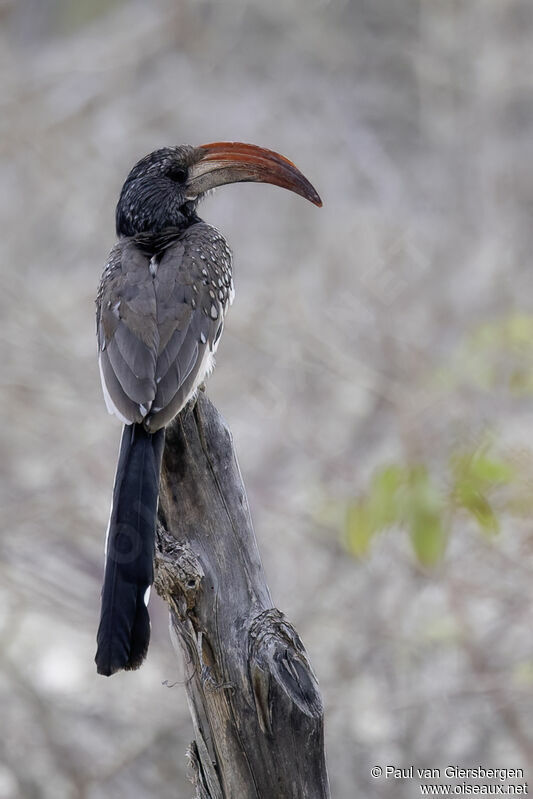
220 163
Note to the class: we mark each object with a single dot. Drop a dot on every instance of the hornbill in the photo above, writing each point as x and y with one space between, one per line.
160 311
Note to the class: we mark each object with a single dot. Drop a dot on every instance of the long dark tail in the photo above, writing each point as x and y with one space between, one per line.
124 631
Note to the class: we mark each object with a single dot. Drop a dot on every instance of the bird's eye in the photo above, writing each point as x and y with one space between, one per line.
178 174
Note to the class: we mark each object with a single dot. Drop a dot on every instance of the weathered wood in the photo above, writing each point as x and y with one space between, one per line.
253 697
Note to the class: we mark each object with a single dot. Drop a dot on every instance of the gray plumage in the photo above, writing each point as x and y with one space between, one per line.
159 319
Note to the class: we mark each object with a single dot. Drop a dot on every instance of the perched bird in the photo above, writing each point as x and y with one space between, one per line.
160 311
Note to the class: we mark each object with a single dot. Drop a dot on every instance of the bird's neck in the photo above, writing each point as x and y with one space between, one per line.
155 241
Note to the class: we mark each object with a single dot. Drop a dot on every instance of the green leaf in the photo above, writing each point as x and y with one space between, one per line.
423 509
478 505
490 470
476 475
428 536
383 496
359 529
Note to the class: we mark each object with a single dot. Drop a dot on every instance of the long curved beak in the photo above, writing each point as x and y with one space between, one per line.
234 162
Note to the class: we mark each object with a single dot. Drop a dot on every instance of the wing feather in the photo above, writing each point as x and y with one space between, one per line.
117 401
127 330
137 389
141 359
158 327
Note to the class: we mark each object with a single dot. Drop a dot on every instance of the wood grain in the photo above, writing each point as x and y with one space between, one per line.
254 700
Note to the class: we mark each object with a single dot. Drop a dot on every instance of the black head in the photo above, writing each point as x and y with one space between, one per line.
154 194
163 188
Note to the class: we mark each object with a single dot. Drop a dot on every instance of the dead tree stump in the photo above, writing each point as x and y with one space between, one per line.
253 697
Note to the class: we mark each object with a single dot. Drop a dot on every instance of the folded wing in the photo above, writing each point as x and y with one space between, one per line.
158 321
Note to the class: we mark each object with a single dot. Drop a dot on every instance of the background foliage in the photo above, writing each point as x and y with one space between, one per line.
375 370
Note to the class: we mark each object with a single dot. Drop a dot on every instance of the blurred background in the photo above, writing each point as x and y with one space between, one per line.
376 370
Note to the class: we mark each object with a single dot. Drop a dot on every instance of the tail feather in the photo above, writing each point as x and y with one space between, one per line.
124 631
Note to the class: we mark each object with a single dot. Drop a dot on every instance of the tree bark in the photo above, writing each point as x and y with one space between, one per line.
253 697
